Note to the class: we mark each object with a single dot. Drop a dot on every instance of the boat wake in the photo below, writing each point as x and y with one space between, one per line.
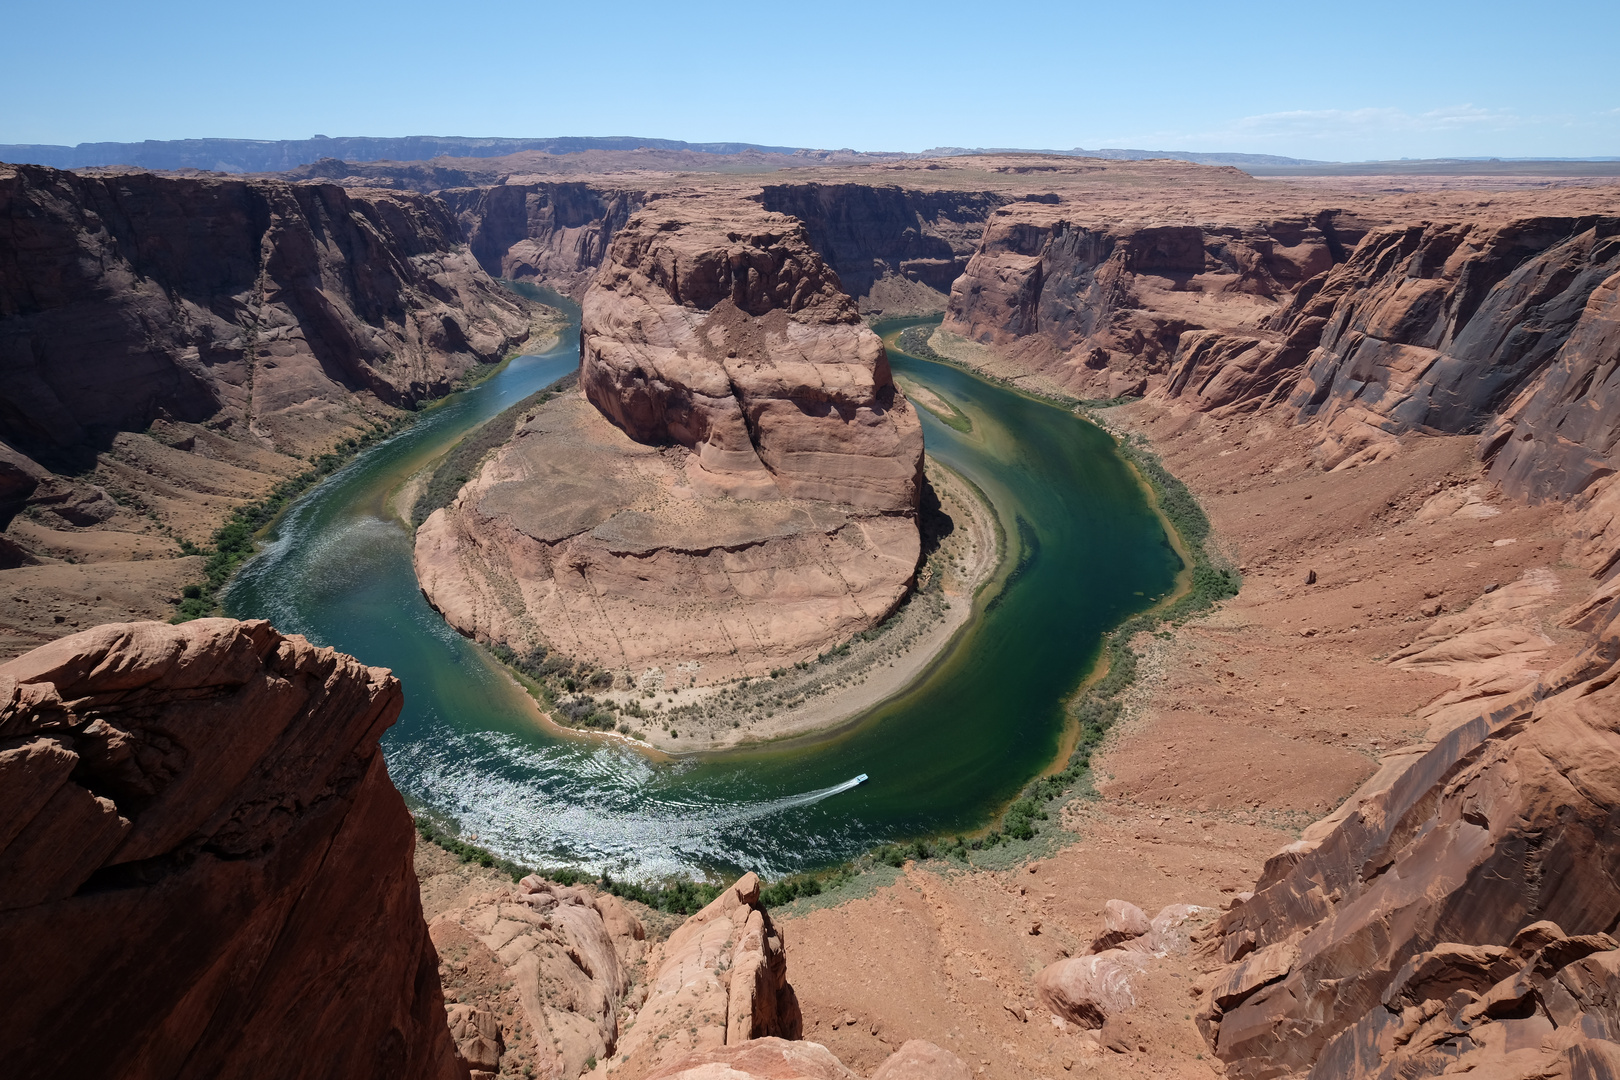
601 811
810 798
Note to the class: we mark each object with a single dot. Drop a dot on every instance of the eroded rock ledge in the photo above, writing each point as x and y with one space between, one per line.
735 490
204 869
1455 911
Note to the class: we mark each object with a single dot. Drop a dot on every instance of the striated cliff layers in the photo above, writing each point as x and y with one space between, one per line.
1561 434
736 489
726 333
1099 305
263 305
554 233
876 236
204 869
1433 327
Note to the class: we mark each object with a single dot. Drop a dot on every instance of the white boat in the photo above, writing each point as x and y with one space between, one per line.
861 779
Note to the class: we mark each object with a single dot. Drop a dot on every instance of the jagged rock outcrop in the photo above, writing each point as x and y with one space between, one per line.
719 328
869 232
741 496
1437 326
1082 300
204 869
553 233
276 307
721 981
564 954
1562 433
1455 848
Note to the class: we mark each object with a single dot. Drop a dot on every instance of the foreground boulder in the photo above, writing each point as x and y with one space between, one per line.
735 491
561 955
204 869
721 980
1093 989
779 1059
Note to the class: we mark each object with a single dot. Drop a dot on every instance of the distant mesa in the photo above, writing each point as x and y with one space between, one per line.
276 155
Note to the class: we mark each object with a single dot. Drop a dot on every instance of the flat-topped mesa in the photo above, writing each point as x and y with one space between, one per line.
721 329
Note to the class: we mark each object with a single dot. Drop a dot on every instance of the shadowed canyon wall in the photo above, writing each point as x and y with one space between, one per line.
253 303
556 234
1099 305
868 233
204 869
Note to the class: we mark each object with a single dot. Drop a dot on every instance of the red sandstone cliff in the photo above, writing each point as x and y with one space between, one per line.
242 303
1098 304
721 329
553 233
204 869
884 240
1431 327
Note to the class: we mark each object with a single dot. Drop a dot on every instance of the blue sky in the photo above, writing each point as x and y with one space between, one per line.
1308 79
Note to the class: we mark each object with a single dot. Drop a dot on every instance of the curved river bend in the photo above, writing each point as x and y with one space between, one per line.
1087 551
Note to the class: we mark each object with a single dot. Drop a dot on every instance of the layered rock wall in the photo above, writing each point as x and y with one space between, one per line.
723 331
204 869
556 234
869 232
1437 327
247 304
1082 300
1561 434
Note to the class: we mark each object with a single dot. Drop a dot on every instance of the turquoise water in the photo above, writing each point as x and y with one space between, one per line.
1086 552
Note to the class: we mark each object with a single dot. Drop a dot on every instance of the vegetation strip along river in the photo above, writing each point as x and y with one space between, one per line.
1086 550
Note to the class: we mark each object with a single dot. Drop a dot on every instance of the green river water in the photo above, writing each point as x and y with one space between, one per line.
1086 551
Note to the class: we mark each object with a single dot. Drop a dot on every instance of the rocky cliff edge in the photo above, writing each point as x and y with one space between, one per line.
204 869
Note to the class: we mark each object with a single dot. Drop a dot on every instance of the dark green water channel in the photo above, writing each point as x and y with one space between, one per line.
1087 551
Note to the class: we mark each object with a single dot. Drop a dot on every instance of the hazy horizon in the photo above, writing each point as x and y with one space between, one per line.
1397 80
